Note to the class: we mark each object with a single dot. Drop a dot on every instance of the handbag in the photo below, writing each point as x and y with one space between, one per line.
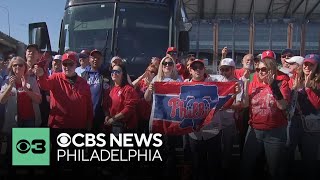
311 122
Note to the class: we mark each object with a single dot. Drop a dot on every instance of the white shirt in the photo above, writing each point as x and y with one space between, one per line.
227 116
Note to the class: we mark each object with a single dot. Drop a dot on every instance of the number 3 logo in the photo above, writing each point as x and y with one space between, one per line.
37 146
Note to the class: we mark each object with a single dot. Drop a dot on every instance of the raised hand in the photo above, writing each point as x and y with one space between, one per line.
224 52
25 85
151 87
237 88
12 80
38 71
307 81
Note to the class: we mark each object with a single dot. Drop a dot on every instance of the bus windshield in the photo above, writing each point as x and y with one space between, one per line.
141 31
87 27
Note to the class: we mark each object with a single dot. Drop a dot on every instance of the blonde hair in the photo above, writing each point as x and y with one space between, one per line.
19 60
174 73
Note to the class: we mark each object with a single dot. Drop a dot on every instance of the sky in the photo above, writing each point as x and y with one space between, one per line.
23 12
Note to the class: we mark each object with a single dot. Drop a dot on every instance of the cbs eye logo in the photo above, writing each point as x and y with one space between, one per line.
63 140
37 146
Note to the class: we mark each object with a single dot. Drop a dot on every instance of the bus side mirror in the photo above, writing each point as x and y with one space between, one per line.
41 38
38 34
183 45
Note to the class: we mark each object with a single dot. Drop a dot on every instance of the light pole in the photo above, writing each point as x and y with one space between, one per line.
8 17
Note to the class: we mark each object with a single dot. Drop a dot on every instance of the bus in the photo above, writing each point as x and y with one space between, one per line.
135 30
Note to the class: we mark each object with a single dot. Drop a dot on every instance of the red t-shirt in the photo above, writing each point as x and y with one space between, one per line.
264 113
25 107
143 107
238 73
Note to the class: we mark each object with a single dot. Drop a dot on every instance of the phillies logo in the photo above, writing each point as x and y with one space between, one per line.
191 110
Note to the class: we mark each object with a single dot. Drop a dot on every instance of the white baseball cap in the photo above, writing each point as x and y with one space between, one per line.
57 57
227 62
296 59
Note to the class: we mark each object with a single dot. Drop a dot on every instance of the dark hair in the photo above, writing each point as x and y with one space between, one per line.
124 80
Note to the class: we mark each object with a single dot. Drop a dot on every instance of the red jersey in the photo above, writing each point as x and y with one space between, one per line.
264 113
124 100
25 106
70 105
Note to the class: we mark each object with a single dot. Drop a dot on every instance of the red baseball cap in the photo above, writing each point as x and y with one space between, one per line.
70 56
197 61
171 49
312 58
268 54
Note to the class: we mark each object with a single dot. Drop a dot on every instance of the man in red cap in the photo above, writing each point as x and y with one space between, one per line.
70 96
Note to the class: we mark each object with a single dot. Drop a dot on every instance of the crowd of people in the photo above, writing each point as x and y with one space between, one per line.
275 109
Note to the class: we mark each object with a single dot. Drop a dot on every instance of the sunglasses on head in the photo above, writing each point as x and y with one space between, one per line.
116 72
167 63
65 64
196 67
225 69
16 65
264 69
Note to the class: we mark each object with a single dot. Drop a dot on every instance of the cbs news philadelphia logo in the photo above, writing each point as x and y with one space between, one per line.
31 146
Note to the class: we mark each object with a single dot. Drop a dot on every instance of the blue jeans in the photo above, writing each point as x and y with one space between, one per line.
272 143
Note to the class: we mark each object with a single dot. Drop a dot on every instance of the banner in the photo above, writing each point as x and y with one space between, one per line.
182 107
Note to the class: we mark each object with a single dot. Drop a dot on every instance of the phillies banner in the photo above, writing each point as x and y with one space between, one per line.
182 107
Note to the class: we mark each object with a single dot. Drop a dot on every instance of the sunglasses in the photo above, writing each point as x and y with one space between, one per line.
167 63
116 72
69 64
264 69
225 69
16 65
197 67
173 53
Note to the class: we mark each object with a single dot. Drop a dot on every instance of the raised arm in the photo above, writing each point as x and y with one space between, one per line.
45 82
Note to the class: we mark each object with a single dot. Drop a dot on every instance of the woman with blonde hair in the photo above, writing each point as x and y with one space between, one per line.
167 72
21 95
